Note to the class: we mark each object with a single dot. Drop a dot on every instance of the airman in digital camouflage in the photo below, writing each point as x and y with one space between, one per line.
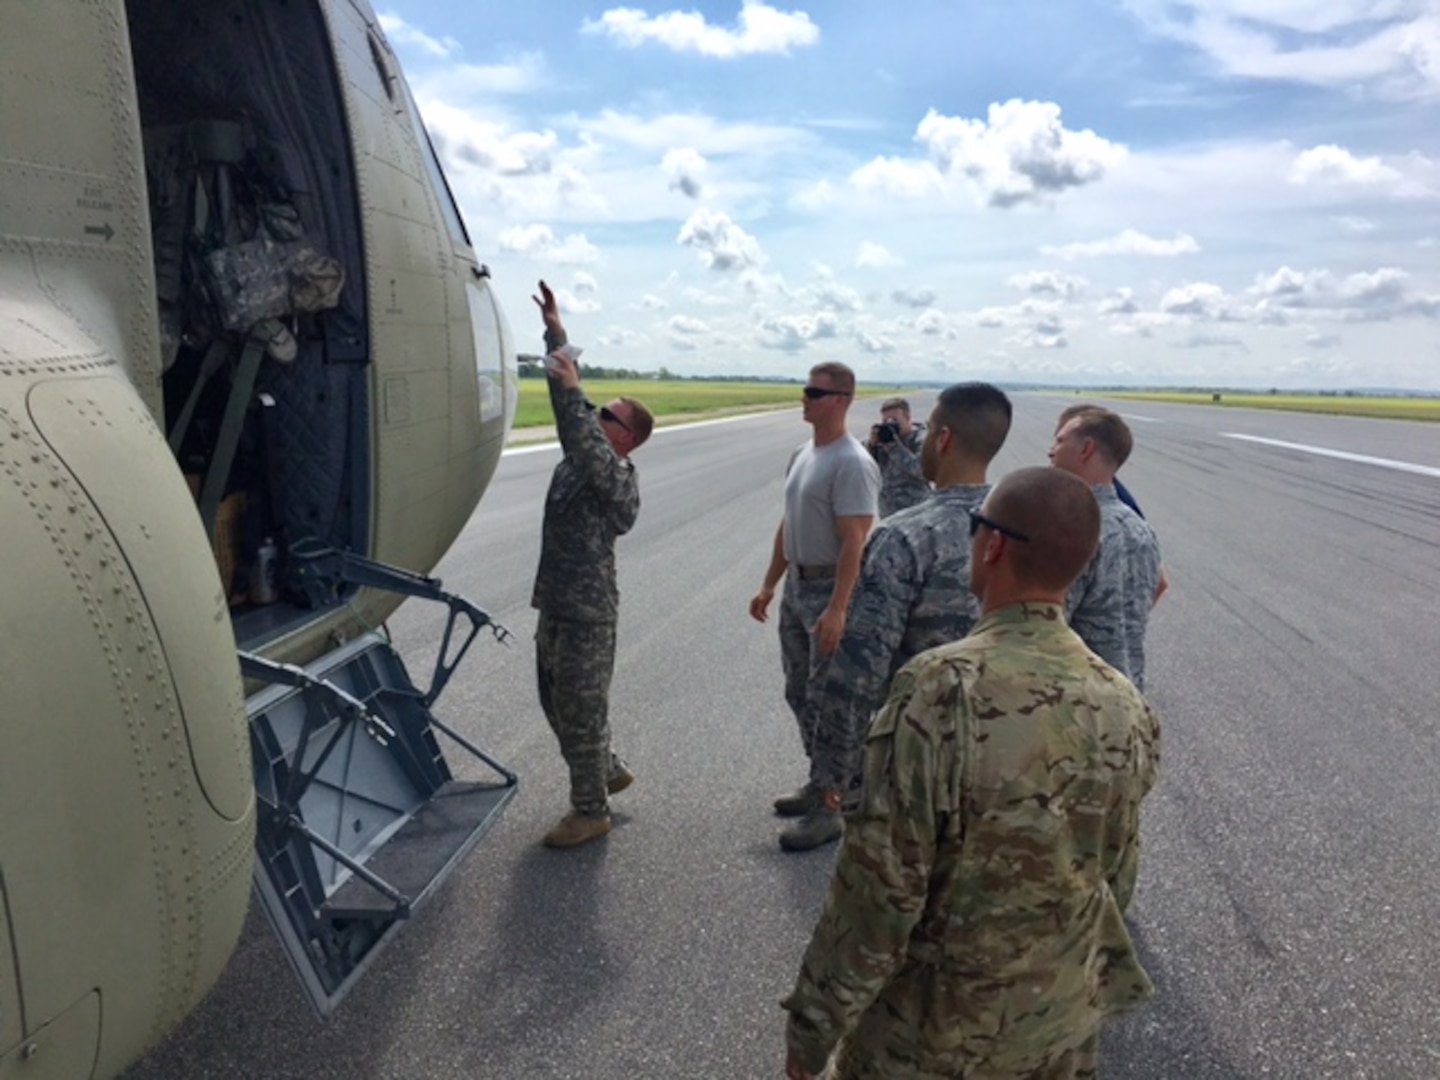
1109 605
914 591
974 925
895 444
593 499
1121 491
831 485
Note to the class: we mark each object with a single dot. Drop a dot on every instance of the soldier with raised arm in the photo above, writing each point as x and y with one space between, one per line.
593 499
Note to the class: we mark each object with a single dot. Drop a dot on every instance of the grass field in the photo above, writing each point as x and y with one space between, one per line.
673 398
1385 408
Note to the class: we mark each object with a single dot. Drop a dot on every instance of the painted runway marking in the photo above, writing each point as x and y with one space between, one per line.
1364 459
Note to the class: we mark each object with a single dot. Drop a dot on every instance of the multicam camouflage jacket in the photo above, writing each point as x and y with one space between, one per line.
902 480
1109 604
594 497
913 594
974 923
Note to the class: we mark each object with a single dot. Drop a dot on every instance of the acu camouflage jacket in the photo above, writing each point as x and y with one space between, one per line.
594 497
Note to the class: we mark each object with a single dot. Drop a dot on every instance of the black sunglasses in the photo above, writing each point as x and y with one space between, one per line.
977 519
606 413
815 393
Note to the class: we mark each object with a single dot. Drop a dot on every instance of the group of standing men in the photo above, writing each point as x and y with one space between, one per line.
964 676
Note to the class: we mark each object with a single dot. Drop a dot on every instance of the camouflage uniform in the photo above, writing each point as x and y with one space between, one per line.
593 498
1109 604
975 925
913 594
902 480
803 601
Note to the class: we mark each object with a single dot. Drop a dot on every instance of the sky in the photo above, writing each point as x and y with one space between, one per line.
1215 193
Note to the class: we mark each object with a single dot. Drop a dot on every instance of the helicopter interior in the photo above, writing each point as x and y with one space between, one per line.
260 283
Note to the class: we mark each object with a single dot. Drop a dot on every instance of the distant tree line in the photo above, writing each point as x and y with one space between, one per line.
533 367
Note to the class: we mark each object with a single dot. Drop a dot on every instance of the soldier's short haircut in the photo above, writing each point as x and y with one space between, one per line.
1110 433
1071 411
1057 511
840 375
978 416
895 403
641 422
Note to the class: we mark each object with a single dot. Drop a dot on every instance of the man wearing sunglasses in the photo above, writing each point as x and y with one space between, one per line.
1109 605
914 591
593 499
831 490
975 922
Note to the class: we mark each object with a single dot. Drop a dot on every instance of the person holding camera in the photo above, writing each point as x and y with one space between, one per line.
895 445
593 499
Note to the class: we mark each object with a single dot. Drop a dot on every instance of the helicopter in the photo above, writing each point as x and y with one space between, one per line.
253 382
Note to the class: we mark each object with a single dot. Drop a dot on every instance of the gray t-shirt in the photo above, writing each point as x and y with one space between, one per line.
839 479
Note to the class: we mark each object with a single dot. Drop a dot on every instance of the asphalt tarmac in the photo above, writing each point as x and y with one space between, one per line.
1290 888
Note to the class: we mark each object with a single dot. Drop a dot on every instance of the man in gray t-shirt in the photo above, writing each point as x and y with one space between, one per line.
831 488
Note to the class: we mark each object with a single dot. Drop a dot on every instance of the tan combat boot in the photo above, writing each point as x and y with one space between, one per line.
576 829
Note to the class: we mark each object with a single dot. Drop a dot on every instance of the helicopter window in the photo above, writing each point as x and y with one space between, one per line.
382 65
437 177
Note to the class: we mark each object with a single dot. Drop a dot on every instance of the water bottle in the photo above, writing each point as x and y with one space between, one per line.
265 589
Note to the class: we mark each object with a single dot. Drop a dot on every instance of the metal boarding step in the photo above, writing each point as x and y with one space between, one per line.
360 818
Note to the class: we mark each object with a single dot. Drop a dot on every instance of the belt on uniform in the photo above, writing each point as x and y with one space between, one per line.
814 573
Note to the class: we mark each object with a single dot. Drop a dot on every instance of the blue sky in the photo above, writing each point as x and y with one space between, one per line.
1154 192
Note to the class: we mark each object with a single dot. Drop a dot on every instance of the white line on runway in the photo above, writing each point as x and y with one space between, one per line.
1388 463
530 448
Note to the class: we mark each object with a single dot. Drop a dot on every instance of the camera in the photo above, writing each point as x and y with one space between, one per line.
889 431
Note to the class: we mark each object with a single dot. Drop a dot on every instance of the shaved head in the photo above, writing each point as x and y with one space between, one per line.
1059 514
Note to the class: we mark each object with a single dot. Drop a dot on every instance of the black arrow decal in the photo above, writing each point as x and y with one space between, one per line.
100 230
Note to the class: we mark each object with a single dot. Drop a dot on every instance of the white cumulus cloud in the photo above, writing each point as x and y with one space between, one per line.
898 176
722 244
1121 302
539 242
1393 45
1200 299
1330 164
1126 242
761 29
915 297
791 333
686 169
1047 283
463 140
876 256
1021 152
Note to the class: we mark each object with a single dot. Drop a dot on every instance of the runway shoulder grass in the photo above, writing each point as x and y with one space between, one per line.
1385 408
673 398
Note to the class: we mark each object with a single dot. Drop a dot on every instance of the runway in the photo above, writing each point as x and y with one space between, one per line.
1290 889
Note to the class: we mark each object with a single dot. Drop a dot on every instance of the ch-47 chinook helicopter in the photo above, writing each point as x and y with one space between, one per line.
249 367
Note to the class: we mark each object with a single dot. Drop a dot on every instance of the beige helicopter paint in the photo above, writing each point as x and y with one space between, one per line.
126 815
126 821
